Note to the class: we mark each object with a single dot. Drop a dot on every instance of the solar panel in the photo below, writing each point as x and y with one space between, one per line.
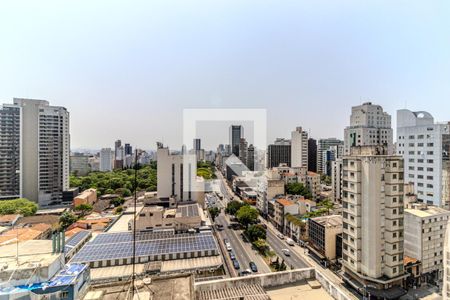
176 243
77 238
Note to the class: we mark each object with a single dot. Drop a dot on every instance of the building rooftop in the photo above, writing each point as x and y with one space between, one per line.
285 202
9 218
329 221
32 232
428 211
30 253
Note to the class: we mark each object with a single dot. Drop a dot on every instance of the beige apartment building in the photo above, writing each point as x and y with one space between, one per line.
322 232
373 220
424 238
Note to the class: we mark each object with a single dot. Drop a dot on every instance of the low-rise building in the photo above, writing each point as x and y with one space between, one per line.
88 196
25 233
181 218
313 184
424 238
322 232
281 207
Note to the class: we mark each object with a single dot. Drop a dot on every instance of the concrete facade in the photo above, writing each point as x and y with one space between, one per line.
299 148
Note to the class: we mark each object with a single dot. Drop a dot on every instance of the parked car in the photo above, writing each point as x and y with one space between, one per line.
286 252
245 272
236 264
290 242
280 236
253 267
229 247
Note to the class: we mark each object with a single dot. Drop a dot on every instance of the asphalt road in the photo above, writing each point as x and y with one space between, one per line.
277 244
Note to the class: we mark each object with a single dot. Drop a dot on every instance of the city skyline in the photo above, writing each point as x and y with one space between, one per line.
314 62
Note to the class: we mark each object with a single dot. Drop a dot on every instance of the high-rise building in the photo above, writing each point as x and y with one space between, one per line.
44 150
323 146
373 220
10 152
106 160
279 153
128 149
177 176
197 144
336 180
369 126
236 133
425 147
119 155
299 148
251 157
243 150
312 155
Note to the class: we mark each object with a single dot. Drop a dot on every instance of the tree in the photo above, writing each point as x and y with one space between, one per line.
256 232
247 215
83 209
118 210
21 206
67 219
327 204
262 247
213 212
233 207
297 188
117 201
325 179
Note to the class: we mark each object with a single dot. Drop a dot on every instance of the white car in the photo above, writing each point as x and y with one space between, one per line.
280 236
290 242
286 252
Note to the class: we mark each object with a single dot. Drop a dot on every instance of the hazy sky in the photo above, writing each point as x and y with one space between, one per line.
126 69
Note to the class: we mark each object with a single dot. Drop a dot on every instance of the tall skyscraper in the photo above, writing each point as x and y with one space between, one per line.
106 160
312 155
251 157
119 155
323 146
197 144
39 150
10 151
279 153
243 151
425 147
369 126
236 133
128 149
373 219
299 148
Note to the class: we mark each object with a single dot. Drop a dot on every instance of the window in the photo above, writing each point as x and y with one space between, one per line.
64 295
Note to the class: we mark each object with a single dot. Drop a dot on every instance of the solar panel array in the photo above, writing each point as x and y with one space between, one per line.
119 245
190 210
76 239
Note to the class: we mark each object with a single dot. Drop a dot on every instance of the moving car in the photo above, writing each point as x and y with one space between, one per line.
290 242
286 252
253 267
245 272
236 264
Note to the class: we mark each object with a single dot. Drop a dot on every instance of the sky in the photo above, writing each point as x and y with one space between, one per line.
127 69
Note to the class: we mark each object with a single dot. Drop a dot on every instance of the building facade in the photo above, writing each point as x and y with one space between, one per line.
79 164
369 126
10 152
279 153
106 160
299 148
312 155
323 146
322 232
425 147
373 219
236 133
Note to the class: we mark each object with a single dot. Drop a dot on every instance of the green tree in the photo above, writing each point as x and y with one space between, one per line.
213 212
247 215
326 204
297 188
67 219
256 232
233 207
118 210
117 201
83 209
21 206
262 247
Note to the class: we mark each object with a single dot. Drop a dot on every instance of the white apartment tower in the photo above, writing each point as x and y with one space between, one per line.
177 176
44 152
425 147
106 159
373 218
369 126
325 147
299 148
